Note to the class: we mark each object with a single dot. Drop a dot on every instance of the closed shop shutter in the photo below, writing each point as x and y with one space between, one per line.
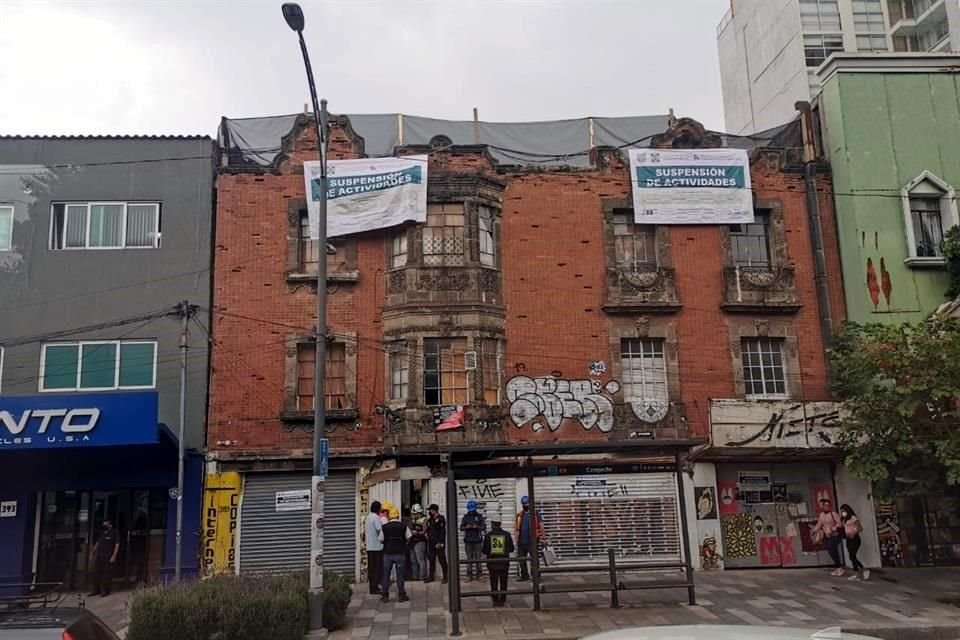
635 514
493 496
274 541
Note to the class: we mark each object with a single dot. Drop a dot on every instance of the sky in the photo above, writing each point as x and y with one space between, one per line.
177 67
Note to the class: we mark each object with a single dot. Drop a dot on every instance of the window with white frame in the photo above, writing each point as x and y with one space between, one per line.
635 245
644 370
868 17
929 210
399 364
820 15
98 365
488 251
817 48
445 371
872 42
105 225
6 227
398 249
764 373
443 244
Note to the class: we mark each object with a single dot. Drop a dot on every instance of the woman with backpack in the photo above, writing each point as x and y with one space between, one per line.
851 531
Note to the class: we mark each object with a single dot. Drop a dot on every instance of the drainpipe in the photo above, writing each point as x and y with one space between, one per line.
816 225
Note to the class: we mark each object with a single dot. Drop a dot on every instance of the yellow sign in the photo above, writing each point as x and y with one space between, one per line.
221 508
498 545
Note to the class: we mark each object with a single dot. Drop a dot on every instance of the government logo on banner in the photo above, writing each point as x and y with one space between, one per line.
691 186
368 194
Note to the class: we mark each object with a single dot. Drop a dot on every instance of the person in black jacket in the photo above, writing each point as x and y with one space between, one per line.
395 535
498 544
436 543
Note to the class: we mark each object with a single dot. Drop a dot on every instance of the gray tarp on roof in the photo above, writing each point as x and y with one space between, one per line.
545 143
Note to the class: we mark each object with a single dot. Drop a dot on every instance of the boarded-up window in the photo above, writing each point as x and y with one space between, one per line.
491 365
444 371
309 250
335 381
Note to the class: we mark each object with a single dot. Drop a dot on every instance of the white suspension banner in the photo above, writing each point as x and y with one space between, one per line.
691 186
368 194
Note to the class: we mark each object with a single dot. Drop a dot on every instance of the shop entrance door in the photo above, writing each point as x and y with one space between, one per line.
767 512
63 548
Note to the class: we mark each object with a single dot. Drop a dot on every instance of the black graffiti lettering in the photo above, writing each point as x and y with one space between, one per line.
520 367
777 428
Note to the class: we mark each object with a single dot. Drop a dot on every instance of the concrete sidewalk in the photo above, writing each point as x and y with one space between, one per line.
897 604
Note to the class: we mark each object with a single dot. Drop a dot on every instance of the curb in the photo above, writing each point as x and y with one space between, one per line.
905 632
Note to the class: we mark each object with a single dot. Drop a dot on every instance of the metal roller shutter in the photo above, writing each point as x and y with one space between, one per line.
491 494
636 514
277 541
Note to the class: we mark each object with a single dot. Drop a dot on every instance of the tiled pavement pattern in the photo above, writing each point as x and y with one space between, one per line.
897 604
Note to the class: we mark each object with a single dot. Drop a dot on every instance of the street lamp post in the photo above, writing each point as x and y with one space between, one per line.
293 14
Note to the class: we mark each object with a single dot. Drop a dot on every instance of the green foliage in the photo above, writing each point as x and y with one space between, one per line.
901 390
235 608
951 251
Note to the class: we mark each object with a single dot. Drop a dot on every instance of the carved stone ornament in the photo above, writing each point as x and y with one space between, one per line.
642 279
489 281
650 411
762 278
443 281
397 282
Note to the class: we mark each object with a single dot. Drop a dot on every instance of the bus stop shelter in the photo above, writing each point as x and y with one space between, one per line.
526 463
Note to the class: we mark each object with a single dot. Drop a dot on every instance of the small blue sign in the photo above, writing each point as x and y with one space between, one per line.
324 458
63 420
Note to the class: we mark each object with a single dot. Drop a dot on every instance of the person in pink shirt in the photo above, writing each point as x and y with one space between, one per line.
851 531
828 527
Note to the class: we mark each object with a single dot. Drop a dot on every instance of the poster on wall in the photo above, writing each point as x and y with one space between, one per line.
691 186
221 509
298 500
367 194
706 503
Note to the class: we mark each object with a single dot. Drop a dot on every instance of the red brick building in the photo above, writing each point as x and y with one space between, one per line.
532 300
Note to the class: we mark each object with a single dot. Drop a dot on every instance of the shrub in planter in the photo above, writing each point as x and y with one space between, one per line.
234 608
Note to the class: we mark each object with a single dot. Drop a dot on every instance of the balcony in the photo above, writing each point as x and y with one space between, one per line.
921 17
651 290
415 429
759 289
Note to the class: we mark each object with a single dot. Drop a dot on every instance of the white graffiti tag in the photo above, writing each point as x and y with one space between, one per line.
556 399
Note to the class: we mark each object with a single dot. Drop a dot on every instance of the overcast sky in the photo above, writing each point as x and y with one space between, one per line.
176 66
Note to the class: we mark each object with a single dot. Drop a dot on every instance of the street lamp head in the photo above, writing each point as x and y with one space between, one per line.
293 14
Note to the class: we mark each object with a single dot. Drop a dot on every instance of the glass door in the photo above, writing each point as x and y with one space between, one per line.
58 537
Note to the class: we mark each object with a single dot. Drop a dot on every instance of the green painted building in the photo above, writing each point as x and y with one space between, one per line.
890 127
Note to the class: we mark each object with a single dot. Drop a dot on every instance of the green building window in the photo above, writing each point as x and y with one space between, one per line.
98 365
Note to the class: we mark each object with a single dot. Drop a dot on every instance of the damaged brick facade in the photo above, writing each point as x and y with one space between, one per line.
525 282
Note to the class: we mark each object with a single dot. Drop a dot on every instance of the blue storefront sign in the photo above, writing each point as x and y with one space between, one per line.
51 421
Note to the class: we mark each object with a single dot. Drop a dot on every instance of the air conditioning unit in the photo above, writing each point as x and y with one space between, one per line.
470 360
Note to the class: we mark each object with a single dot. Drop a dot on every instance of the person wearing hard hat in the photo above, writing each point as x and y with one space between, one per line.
473 526
418 543
394 535
498 545
529 530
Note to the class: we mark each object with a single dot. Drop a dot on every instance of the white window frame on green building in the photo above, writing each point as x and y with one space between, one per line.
927 186
72 377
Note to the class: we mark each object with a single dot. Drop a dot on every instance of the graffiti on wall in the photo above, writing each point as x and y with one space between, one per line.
548 401
221 506
706 503
807 425
888 531
739 540
709 558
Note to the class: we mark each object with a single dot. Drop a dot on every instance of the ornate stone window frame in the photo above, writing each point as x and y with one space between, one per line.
646 327
290 411
949 217
783 329
347 245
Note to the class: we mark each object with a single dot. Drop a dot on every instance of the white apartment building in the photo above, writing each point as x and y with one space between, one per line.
770 49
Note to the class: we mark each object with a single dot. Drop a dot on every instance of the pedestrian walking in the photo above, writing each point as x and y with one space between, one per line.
828 529
852 528
104 555
498 545
394 535
418 543
436 543
473 526
529 532
372 528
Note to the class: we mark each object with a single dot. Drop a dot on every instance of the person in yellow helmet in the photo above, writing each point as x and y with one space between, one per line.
394 535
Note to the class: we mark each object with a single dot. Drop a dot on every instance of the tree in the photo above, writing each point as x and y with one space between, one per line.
900 385
951 251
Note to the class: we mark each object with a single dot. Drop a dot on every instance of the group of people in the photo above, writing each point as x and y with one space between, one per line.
833 527
391 542
420 542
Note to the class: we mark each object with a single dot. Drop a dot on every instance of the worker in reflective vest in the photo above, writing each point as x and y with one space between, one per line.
498 544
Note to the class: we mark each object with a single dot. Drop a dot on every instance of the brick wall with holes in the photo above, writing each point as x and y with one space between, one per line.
555 243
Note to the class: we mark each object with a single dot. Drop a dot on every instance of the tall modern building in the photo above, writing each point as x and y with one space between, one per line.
770 49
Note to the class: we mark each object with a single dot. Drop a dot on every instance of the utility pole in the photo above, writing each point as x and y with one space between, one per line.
293 15
185 312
